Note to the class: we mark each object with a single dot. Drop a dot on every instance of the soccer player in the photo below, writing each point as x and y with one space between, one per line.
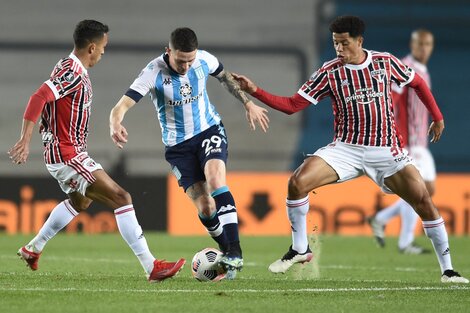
366 142
64 104
412 120
192 132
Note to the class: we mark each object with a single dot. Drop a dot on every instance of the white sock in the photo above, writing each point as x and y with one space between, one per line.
385 215
60 217
297 213
436 231
132 233
408 225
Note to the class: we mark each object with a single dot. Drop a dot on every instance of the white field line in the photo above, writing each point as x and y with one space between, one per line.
246 264
303 290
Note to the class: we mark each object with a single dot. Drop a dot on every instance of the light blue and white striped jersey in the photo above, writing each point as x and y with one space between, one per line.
181 101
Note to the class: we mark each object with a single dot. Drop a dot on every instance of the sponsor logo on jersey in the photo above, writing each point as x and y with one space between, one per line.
47 137
185 101
167 81
365 96
186 90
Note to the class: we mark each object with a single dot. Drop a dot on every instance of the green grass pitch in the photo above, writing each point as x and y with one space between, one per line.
99 273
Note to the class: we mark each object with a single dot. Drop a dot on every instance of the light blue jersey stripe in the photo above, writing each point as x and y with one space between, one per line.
194 81
208 115
161 105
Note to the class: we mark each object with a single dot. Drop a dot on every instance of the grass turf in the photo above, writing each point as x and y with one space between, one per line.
80 273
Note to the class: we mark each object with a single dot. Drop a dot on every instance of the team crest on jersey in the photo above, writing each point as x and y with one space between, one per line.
378 75
186 90
199 72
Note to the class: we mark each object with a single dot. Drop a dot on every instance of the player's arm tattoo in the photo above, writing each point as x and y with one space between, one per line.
226 79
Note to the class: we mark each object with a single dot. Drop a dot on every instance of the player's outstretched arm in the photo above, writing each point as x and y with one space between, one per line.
435 130
118 132
288 105
254 113
20 151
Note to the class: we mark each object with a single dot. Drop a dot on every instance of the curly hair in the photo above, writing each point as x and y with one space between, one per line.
348 24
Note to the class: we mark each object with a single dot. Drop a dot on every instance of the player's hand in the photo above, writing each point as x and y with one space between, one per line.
118 134
19 152
256 114
245 83
436 129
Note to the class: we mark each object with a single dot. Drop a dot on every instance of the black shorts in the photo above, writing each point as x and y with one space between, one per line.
188 158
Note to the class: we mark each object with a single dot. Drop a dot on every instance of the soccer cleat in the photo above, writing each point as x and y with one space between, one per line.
289 259
163 270
413 248
450 276
378 230
31 258
232 264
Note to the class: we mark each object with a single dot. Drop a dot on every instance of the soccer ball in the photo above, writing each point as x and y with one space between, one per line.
205 265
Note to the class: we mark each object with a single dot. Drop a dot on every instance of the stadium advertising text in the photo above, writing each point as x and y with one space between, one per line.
335 209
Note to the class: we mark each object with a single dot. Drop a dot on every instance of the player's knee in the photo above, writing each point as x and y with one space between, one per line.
296 186
80 205
122 197
213 183
425 208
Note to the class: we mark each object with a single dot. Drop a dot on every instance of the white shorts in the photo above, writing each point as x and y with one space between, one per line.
424 162
351 161
75 174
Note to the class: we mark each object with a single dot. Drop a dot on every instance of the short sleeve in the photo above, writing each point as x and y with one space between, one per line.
316 88
401 73
146 79
211 61
64 83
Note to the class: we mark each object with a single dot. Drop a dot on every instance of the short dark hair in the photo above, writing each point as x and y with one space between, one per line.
184 39
348 24
88 31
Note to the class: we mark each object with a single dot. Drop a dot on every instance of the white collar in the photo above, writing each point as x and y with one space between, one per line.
77 60
363 64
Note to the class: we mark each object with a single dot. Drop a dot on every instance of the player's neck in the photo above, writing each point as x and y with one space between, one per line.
83 57
361 58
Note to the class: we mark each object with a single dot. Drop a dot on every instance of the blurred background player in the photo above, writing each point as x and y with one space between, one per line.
412 120
192 132
366 141
64 104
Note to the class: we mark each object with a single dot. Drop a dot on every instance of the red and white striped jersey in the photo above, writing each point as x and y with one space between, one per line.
410 113
64 122
361 97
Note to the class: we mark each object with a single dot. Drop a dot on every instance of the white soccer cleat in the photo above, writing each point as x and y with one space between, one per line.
450 276
378 230
289 259
413 248
231 264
